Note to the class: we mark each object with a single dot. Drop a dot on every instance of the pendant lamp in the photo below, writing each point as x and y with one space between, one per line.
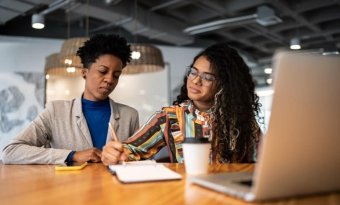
145 58
69 50
54 66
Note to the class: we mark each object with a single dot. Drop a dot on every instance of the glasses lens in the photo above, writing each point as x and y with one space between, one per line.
192 73
206 82
206 78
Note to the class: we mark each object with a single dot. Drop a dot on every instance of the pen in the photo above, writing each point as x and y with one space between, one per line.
114 136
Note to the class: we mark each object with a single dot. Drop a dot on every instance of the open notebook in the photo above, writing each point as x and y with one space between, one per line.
143 171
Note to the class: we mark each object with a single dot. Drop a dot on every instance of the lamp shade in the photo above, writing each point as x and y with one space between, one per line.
145 58
69 50
295 44
38 21
54 66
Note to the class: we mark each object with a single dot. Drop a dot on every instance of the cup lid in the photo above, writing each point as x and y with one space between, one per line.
200 140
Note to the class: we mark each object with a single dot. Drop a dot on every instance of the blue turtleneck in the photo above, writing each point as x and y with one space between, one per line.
97 115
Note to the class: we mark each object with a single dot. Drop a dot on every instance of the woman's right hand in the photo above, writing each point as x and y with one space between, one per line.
113 153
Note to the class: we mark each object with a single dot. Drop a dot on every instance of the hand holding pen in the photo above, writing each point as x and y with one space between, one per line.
114 137
113 151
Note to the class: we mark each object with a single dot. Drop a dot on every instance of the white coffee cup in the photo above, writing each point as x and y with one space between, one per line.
196 153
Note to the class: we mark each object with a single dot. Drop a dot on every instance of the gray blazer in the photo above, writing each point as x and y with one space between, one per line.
62 128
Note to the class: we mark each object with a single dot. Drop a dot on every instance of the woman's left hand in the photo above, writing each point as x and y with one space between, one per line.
89 155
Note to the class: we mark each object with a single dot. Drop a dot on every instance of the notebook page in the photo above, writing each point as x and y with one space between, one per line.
138 172
142 162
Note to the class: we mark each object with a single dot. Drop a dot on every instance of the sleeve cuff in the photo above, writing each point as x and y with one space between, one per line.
69 158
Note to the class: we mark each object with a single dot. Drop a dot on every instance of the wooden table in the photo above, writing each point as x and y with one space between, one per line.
41 184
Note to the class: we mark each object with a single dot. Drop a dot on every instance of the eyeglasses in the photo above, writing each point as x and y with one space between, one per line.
206 78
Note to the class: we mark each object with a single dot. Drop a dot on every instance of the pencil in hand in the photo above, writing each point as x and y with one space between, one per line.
114 136
113 133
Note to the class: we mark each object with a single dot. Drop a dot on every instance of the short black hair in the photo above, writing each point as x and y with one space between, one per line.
102 44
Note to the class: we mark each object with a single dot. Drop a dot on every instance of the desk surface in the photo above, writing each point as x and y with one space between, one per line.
41 184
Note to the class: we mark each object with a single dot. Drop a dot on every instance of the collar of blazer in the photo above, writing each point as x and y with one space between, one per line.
114 109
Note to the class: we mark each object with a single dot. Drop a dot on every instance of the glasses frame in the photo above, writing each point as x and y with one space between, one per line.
203 76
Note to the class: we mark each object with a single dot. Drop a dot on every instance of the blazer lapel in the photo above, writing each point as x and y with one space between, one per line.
114 119
81 121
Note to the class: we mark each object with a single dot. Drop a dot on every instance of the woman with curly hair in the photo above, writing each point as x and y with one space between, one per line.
217 101
76 130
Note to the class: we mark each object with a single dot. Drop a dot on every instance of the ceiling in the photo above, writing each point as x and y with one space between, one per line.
255 27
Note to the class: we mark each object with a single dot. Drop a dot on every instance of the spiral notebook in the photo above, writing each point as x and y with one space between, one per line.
143 171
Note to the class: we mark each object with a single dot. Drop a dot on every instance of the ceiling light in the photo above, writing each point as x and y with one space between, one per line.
295 44
71 69
329 50
269 81
264 16
144 57
38 21
112 2
327 53
264 92
135 55
268 70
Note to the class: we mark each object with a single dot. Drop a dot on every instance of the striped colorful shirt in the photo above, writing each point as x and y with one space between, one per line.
169 127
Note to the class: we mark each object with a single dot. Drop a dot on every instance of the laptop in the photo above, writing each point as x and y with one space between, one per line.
299 154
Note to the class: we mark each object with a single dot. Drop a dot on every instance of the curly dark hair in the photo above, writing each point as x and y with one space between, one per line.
236 105
104 44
